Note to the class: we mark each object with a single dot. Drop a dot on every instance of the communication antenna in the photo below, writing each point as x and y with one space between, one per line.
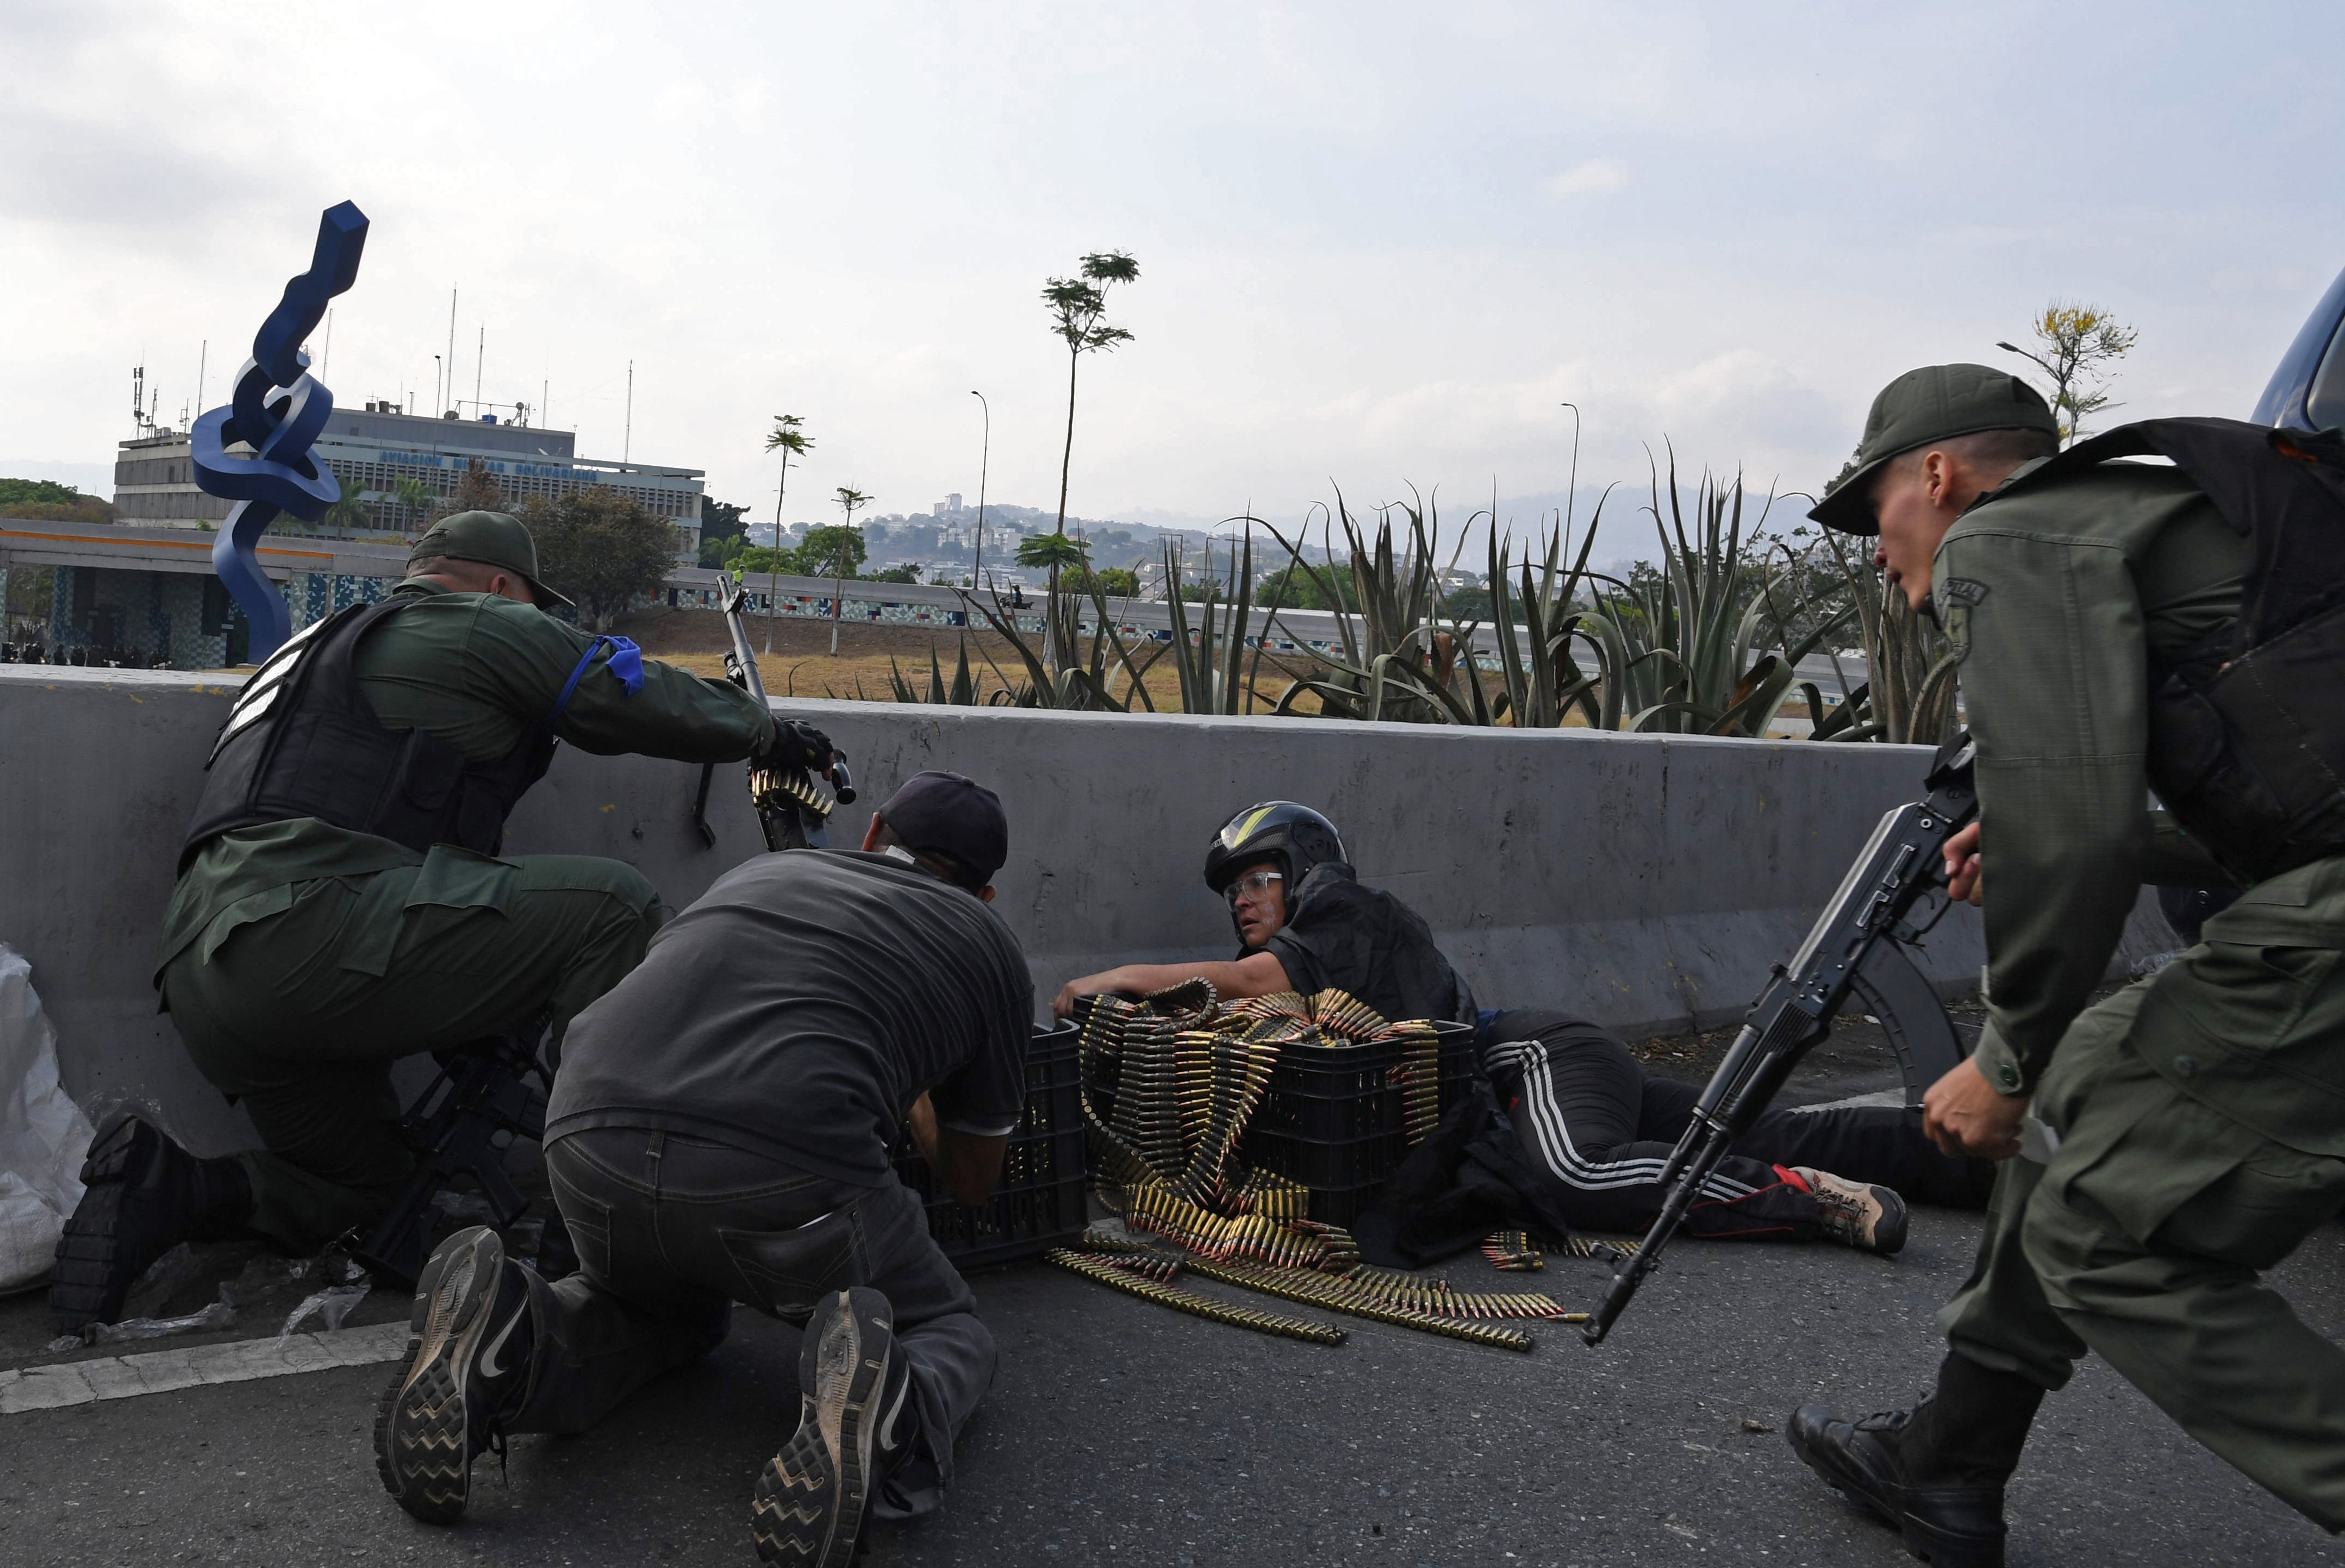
203 363
138 399
627 439
479 354
326 359
450 391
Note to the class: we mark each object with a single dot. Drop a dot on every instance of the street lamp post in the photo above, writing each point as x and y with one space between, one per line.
985 457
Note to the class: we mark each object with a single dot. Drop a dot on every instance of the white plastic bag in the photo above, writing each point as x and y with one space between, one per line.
43 1136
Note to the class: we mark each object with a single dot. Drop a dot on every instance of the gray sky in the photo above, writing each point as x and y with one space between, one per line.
1379 244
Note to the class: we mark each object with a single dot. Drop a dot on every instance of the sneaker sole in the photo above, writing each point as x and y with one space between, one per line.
805 1511
1921 1540
421 1435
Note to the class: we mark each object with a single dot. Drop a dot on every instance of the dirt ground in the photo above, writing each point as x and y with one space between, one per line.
800 664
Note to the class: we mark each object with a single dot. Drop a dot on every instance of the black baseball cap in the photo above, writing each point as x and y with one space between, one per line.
1934 403
494 539
947 813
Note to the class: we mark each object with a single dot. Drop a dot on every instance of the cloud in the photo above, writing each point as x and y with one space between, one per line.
1597 177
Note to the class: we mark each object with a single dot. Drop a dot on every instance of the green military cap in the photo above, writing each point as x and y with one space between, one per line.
1934 403
494 539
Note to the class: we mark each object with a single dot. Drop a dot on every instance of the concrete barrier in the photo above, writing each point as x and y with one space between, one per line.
1648 881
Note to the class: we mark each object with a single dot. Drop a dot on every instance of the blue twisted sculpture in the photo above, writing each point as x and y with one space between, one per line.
277 409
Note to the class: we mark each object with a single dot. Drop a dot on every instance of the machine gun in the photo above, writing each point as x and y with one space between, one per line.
792 803
1900 865
487 1094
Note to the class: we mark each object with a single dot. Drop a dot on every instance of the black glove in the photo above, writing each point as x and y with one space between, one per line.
795 745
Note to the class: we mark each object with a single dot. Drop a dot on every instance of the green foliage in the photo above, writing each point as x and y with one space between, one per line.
1208 664
45 500
1053 552
413 497
1078 310
349 511
1114 581
1398 659
910 573
1684 651
830 549
960 694
2077 347
600 548
723 531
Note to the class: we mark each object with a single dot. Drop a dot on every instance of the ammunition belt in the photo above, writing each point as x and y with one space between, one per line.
1189 1301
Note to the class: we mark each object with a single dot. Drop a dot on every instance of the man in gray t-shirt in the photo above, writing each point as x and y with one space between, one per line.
720 1132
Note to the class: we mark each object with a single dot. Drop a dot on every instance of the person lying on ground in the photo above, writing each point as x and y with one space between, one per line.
1577 1131
720 1132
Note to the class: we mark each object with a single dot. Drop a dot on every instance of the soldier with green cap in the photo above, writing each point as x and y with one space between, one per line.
341 901
2165 1146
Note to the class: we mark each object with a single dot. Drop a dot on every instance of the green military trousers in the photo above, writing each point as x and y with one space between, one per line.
2145 1236
301 1012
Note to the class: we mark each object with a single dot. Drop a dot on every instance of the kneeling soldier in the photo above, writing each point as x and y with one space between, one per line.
340 903
720 1133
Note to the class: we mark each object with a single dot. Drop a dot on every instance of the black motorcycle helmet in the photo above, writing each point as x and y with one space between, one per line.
1295 836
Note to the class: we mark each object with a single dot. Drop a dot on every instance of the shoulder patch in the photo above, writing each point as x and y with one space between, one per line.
1957 598
1964 590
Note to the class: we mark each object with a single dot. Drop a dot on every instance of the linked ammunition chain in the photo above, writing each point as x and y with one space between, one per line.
1340 1296
1172 1082
1195 1305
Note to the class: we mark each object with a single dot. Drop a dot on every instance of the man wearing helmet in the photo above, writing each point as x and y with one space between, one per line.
1305 924
1581 1131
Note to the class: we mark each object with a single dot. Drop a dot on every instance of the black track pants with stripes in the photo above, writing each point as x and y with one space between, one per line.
1600 1131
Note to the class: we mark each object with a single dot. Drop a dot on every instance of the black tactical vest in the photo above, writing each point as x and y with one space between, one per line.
2247 726
302 739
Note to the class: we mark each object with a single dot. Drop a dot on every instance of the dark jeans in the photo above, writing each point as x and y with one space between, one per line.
1600 1129
672 1230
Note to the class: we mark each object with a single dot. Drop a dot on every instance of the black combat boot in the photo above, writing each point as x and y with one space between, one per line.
145 1195
1936 1471
815 1496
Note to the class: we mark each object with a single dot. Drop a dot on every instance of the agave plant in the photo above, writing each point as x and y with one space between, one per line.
1208 664
1398 658
1909 691
1087 681
1683 651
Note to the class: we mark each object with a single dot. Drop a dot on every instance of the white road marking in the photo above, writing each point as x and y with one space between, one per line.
161 1372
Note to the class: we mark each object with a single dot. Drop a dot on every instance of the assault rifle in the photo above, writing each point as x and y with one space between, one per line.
487 1094
1902 863
792 803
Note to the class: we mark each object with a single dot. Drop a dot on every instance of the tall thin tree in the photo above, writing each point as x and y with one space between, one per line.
785 438
1077 306
848 499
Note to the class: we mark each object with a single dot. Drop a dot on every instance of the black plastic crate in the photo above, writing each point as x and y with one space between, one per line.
1335 1119
1041 1202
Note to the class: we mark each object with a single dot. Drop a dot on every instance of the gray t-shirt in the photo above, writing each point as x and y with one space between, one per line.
799 1007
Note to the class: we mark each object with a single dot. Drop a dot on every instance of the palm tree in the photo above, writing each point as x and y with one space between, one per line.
414 496
848 499
785 438
347 512
1076 306
1053 550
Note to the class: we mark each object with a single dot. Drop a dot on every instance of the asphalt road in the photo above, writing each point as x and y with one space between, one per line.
1120 1432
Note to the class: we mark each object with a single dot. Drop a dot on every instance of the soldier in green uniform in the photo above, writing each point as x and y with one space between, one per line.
342 902
2163 1146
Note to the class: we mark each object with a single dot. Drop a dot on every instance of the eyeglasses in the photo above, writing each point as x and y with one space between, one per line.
1252 888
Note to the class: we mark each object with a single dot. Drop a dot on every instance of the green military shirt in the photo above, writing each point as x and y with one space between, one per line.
475 670
2054 597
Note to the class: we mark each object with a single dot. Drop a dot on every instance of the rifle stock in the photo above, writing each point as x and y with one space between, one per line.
1900 864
